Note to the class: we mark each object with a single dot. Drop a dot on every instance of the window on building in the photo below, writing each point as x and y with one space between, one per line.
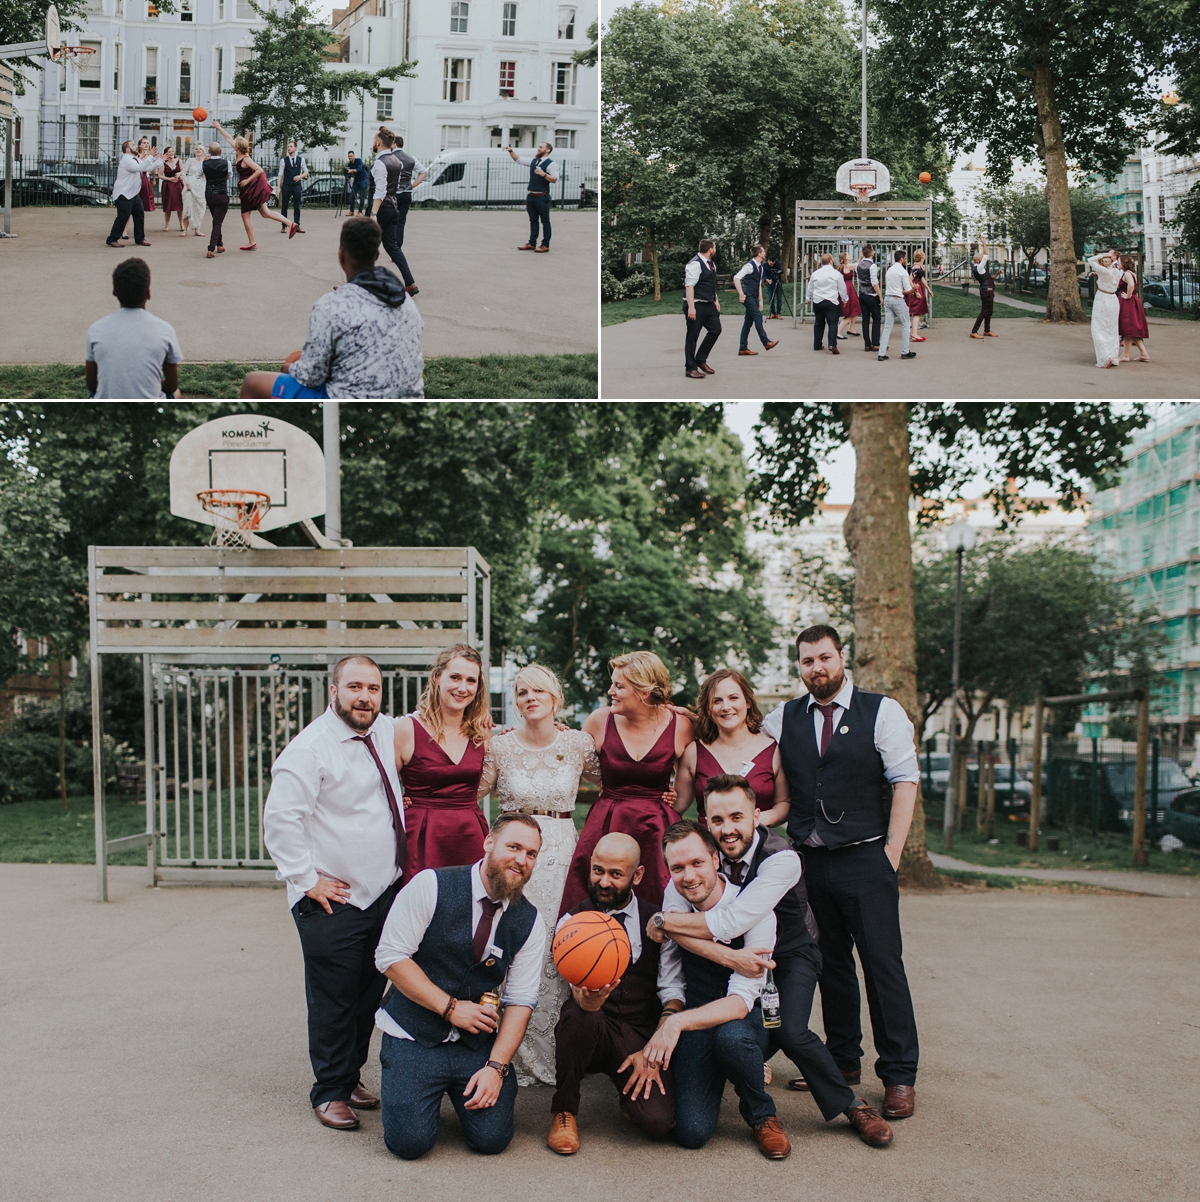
455 137
88 149
508 21
150 84
566 23
459 12
508 79
151 12
565 75
219 62
185 10
185 75
220 10
244 11
383 104
89 67
564 139
241 56
117 69
456 80
1162 208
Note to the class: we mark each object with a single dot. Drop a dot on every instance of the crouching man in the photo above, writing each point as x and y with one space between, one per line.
450 937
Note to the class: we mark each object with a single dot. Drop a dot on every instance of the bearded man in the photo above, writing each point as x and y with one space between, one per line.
453 939
335 829
851 766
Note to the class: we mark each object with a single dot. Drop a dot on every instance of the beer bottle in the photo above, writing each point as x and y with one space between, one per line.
770 1002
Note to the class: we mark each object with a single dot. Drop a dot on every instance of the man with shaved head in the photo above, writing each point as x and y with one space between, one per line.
604 1030
334 826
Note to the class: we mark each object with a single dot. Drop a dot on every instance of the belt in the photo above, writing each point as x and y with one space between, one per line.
1106 291
539 813
537 193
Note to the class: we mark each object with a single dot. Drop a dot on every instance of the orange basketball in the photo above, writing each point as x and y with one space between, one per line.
200 114
924 177
591 950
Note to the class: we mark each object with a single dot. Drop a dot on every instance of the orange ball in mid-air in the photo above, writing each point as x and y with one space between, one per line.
925 177
200 114
591 950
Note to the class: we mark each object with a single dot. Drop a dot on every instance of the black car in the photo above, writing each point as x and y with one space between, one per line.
43 190
320 192
1182 817
86 183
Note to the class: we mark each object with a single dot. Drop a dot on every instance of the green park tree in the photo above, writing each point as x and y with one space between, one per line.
1179 122
25 21
589 57
292 92
929 451
1069 82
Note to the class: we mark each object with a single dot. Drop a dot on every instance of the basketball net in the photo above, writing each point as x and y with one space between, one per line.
862 192
235 513
73 55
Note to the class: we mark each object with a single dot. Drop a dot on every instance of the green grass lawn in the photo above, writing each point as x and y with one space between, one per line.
490 377
1076 850
40 832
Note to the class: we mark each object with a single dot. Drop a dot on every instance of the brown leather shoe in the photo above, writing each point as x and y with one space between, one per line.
362 1099
772 1142
708 371
337 1115
869 1124
747 352
990 334
527 246
899 1101
542 250
851 1078
694 375
564 1134
833 350
768 345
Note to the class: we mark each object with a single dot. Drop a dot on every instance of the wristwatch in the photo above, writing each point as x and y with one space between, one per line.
658 920
502 1069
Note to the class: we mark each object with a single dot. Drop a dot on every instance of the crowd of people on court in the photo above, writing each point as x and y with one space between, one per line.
416 917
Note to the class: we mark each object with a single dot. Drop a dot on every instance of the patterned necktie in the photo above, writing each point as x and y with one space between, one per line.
397 822
827 728
488 910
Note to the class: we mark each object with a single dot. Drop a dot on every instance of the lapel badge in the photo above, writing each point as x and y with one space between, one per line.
844 731
488 963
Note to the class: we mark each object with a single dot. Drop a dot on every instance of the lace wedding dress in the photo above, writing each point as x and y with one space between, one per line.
532 779
1106 313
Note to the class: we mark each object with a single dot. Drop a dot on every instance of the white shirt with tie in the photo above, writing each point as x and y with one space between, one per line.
327 812
691 273
130 170
409 919
776 875
893 738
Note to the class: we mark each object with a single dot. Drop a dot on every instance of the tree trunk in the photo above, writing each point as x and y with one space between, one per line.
766 223
657 277
1062 301
62 732
877 535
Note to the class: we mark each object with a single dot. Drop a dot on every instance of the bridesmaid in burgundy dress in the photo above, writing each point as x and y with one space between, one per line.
1131 322
439 754
254 190
639 738
851 310
143 151
172 190
728 741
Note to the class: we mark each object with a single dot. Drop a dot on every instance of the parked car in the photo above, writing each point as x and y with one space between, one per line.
1069 799
1182 817
935 776
1039 277
85 183
487 177
1163 294
41 190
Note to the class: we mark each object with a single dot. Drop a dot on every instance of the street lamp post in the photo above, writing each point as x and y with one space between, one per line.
960 538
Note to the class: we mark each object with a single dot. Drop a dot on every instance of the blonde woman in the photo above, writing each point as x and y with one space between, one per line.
193 192
254 189
536 769
639 740
439 754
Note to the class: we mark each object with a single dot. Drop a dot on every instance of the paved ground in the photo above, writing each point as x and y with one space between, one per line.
1149 884
643 359
154 1049
479 295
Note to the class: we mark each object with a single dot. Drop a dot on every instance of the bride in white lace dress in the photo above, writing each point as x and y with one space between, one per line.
536 769
1106 309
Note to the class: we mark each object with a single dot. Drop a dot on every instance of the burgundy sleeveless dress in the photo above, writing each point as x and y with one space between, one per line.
442 818
851 308
630 803
172 188
147 192
257 193
1131 322
760 776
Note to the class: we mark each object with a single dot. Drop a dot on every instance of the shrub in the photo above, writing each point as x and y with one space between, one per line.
29 768
611 288
638 284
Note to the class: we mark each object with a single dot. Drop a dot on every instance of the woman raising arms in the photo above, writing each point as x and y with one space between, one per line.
439 755
729 741
254 189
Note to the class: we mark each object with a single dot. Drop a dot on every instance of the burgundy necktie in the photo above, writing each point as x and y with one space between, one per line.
827 728
737 872
397 822
488 910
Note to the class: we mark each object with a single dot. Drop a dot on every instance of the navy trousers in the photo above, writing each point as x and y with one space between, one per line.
871 315
825 314
537 205
707 319
290 192
752 320
391 226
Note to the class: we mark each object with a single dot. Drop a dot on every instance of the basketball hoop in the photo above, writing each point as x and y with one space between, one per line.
73 55
236 512
862 192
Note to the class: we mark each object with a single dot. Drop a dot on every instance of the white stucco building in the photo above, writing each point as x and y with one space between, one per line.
1166 179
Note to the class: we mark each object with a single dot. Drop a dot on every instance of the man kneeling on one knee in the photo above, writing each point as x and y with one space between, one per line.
768 874
711 1031
450 938
605 1030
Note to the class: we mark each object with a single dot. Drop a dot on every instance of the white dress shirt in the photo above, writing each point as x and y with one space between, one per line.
672 984
379 175
409 919
893 737
130 170
691 273
327 811
633 926
776 875
549 166
827 284
898 282
750 266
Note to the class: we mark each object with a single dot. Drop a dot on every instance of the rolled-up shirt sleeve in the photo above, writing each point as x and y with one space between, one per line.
894 736
776 875
295 785
521 984
773 723
671 984
379 175
761 934
407 920
691 274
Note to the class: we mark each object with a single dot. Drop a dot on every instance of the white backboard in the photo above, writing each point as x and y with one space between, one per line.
247 450
868 171
53 36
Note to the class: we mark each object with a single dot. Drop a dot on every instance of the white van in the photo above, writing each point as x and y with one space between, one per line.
483 177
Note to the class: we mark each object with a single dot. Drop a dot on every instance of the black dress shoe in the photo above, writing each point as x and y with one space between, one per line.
909 355
882 358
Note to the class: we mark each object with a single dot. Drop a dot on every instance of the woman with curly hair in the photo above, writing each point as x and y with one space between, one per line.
254 189
639 739
439 754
